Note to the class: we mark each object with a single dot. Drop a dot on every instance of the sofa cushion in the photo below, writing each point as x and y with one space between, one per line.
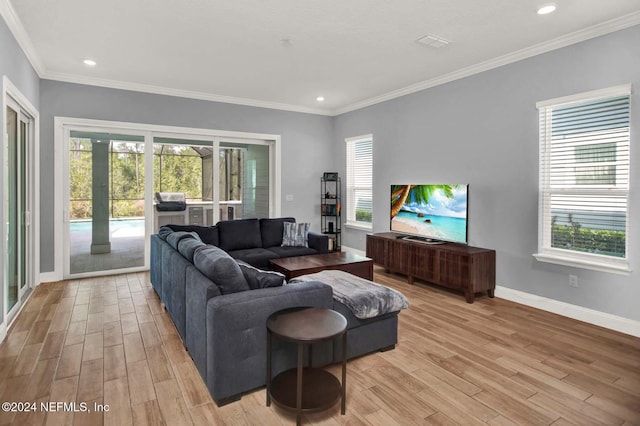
220 268
257 257
164 232
272 230
352 320
258 278
174 238
187 247
208 234
292 251
295 234
239 234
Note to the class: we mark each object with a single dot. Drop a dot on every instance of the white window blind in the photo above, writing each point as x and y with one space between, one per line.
584 180
360 181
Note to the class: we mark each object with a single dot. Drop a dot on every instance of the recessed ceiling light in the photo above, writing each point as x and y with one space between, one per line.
320 99
89 62
546 9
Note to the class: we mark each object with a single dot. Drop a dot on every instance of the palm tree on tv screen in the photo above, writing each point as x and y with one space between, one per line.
418 193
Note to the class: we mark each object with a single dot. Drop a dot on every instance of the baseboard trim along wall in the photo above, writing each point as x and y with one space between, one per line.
49 277
591 316
3 332
602 319
354 251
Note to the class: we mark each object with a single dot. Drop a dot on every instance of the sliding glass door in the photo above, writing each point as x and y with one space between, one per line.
113 177
239 188
17 207
106 208
183 166
245 179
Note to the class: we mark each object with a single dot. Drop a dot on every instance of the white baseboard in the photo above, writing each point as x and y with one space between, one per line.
591 316
49 277
354 251
3 332
602 319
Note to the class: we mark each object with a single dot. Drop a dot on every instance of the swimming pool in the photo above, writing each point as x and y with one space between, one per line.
128 227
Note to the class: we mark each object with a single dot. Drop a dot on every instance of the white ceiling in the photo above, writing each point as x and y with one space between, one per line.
354 52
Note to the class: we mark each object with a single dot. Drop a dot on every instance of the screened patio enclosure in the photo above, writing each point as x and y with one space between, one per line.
108 213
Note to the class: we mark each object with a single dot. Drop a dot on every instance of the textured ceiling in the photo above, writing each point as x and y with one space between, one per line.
352 52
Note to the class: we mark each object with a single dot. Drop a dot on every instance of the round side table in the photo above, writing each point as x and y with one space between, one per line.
306 389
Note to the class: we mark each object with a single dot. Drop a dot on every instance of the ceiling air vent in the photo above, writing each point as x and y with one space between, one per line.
433 41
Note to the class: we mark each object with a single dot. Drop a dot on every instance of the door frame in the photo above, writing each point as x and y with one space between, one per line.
12 97
62 125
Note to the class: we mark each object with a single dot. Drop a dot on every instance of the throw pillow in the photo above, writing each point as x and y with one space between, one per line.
295 234
174 238
187 247
257 278
164 232
220 268
208 234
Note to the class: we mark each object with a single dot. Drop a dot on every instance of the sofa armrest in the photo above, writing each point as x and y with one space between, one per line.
198 290
237 333
318 241
155 268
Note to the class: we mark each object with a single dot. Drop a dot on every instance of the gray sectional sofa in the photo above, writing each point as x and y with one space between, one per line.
223 323
255 241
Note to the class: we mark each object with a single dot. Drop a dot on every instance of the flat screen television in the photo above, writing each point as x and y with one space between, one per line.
430 213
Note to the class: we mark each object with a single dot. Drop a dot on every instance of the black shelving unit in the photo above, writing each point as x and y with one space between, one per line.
331 223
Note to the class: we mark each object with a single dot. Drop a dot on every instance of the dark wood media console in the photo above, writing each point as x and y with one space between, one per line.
457 266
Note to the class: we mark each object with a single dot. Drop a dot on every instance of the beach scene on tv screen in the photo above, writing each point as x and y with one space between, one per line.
433 211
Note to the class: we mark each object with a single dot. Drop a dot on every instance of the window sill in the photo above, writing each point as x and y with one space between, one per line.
359 226
621 267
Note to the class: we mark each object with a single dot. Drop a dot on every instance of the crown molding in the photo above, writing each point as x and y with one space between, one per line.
168 91
597 30
21 36
18 31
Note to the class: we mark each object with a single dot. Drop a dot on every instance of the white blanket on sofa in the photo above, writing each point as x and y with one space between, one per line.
366 299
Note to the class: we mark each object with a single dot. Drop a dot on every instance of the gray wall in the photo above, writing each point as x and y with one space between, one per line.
15 65
306 140
483 130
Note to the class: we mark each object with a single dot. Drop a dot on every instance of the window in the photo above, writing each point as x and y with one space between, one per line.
360 181
584 180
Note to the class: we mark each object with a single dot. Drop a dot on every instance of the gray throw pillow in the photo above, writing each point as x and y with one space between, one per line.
164 232
187 247
257 278
295 234
220 268
175 237
208 234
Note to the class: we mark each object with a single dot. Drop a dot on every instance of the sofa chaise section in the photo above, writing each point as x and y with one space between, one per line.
223 323
230 350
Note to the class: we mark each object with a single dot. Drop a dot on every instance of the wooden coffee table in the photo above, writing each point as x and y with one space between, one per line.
302 265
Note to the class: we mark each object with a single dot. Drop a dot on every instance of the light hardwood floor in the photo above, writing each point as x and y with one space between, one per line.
107 341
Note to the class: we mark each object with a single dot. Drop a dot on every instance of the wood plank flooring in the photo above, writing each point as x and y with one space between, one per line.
107 341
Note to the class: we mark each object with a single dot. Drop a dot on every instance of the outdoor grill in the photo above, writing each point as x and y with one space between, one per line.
170 201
